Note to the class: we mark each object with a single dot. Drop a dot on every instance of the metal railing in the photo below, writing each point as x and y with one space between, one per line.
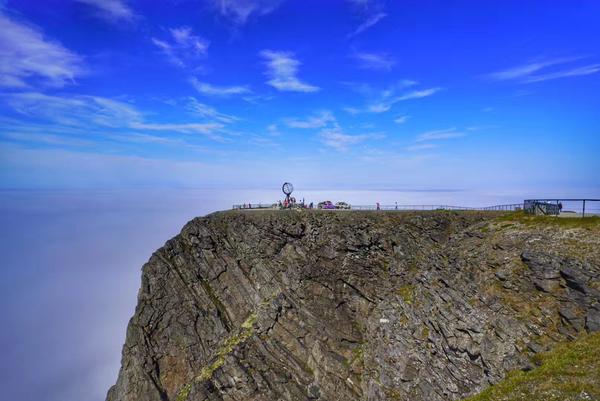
562 207
552 207
509 207
410 207
256 206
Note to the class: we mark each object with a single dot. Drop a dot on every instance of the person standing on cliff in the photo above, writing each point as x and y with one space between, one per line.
378 207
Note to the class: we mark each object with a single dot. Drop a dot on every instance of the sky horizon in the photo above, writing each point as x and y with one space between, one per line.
364 94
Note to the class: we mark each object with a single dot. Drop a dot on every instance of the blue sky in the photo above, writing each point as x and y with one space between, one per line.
336 94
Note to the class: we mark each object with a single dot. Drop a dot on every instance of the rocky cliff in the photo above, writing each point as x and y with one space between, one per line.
310 305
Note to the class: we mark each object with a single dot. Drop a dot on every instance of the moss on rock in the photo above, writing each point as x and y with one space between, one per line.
571 371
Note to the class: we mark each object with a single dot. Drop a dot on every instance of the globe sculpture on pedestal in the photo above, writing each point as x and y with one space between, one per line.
287 189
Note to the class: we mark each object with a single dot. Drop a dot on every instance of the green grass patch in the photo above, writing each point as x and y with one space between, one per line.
566 222
571 371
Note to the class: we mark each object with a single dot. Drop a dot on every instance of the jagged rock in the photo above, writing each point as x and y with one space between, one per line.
310 305
592 320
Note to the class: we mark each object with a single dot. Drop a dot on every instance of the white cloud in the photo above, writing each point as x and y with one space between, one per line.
338 140
282 69
187 128
27 56
239 11
183 47
73 110
375 61
573 72
93 112
369 22
538 71
421 146
371 12
48 139
263 141
440 135
524 69
352 110
209 112
418 94
380 107
113 10
222 91
317 121
273 130
401 119
388 99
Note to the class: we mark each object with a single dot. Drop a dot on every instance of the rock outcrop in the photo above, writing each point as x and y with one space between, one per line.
310 305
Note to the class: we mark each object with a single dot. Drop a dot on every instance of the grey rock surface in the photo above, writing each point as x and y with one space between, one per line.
310 305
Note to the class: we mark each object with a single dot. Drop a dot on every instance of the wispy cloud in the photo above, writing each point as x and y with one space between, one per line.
573 72
207 129
28 58
282 70
374 61
240 11
369 22
352 110
317 121
112 10
263 141
380 101
219 91
209 112
273 130
48 139
338 140
544 70
440 135
421 146
388 101
183 46
93 112
73 110
371 12
401 119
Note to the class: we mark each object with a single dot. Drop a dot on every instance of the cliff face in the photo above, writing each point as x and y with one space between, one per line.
316 305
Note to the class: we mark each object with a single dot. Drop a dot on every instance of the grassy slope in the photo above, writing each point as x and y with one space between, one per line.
564 222
571 371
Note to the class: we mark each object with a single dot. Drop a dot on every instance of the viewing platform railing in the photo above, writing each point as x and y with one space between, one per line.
552 207
562 207
509 207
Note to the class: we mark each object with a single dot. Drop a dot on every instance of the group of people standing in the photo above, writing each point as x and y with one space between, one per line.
287 204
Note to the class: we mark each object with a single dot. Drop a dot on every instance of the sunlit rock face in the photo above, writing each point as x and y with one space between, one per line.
326 305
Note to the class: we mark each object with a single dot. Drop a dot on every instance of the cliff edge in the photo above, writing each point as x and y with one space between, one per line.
315 305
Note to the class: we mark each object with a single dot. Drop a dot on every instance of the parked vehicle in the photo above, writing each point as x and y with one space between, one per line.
326 205
342 205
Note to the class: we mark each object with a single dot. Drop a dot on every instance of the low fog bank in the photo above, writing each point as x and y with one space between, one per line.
71 272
